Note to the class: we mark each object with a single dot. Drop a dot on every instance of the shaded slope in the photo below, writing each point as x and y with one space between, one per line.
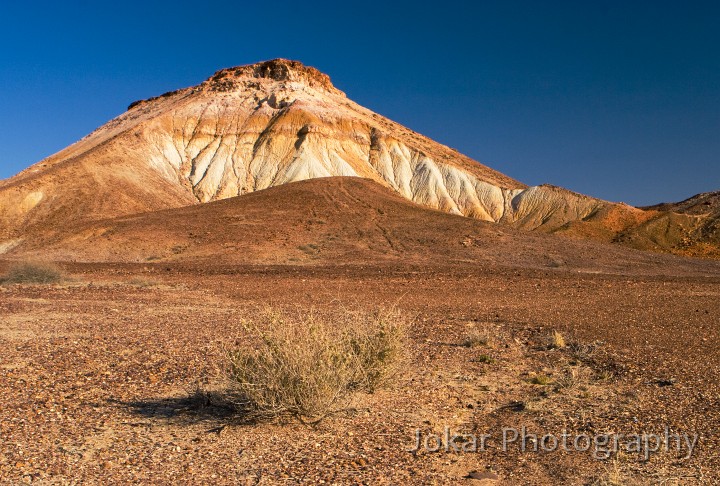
333 221
690 227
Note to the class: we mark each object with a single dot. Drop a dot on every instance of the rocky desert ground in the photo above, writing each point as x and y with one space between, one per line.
550 337
100 374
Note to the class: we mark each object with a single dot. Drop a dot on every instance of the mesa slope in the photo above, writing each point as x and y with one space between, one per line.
250 128
264 125
242 130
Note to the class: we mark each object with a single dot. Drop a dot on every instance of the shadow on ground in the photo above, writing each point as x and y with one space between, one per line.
196 407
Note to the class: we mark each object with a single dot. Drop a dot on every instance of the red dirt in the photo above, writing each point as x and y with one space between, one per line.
98 372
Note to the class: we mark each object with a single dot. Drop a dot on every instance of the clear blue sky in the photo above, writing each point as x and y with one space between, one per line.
616 99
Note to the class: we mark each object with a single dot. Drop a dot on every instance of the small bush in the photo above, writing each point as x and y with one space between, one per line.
575 377
477 337
142 283
309 249
33 273
541 380
485 359
605 376
557 340
614 476
309 366
580 351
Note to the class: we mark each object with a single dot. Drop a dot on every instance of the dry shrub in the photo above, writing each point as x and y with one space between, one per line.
612 477
477 337
309 366
615 476
34 273
142 283
540 379
580 351
557 340
575 377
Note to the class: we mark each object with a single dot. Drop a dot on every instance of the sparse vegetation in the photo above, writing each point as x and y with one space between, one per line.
557 340
575 377
541 379
484 358
477 337
605 376
580 351
614 476
309 366
33 272
309 249
141 282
